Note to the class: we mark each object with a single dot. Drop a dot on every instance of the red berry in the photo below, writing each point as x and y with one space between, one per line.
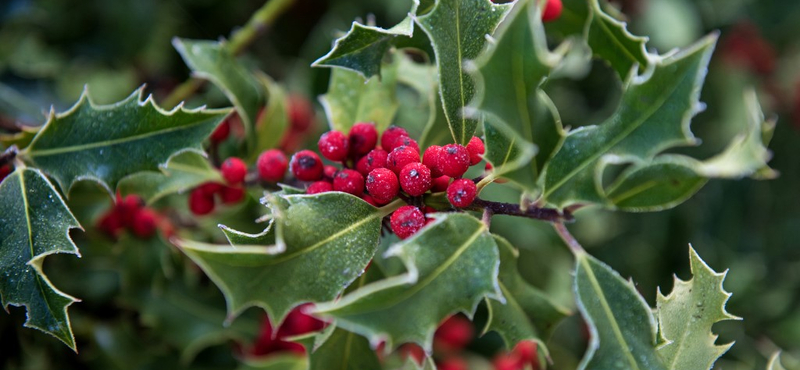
111 223
363 138
431 159
144 223
4 171
231 195
201 203
128 207
400 157
390 135
475 148
454 160
298 322
376 158
349 181
301 113
506 361
221 132
414 351
329 172
272 165
382 185
415 179
333 145
526 350
367 198
461 193
319 187
454 333
406 221
306 166
210 188
453 363
440 184
404 141
552 10
233 170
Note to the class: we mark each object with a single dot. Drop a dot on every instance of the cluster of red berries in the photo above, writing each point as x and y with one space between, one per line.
130 213
202 198
296 323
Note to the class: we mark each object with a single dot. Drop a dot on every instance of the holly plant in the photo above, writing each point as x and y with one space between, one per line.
370 244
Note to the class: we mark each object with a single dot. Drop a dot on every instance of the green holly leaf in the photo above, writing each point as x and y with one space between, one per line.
363 47
574 14
622 326
670 179
457 30
276 362
21 139
106 143
212 61
34 223
775 362
654 115
351 99
519 117
338 349
452 277
528 313
610 40
322 244
686 315
183 171
272 124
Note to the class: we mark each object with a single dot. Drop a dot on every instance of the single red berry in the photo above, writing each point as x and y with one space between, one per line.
306 166
376 158
349 181
390 135
221 132
454 160
231 194
506 361
526 350
128 207
453 363
461 193
329 172
111 223
400 157
404 141
475 148
233 170
201 203
367 198
363 138
382 185
431 159
301 113
272 165
440 184
415 179
406 221
552 10
319 187
334 146
414 351
4 171
144 223
454 333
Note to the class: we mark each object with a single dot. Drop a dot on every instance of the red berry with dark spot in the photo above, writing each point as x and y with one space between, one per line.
552 10
319 187
431 159
306 166
233 170
406 221
272 165
201 203
329 172
382 185
376 158
334 146
454 160
453 363
390 135
475 148
221 132
415 179
231 194
144 223
400 157
461 193
454 333
404 141
349 181
363 138
440 184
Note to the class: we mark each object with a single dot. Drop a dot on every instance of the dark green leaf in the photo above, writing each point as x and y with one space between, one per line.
34 223
610 40
351 99
458 30
107 143
276 362
338 349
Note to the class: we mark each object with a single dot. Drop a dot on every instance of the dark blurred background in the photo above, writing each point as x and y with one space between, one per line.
49 49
